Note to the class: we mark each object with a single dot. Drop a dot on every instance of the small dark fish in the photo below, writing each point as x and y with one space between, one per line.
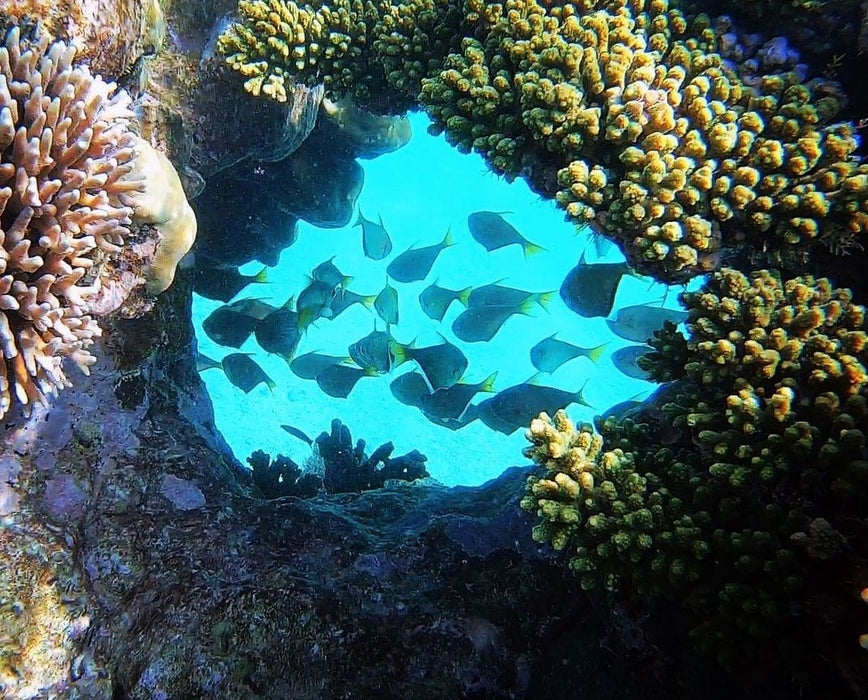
470 414
492 231
410 388
309 365
300 434
638 323
625 359
327 272
375 352
443 364
414 264
231 325
620 410
314 302
223 283
344 299
496 295
451 402
386 304
435 300
481 323
244 372
204 362
589 290
375 239
278 333
550 353
339 380
255 308
516 406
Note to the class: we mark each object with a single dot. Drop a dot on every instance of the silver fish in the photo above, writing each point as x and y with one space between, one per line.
435 300
638 323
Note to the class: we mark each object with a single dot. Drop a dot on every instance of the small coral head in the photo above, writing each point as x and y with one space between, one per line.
64 150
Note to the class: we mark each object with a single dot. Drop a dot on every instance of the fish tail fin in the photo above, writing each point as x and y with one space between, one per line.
488 383
527 305
368 301
544 299
271 384
580 395
399 352
531 249
448 239
345 280
261 277
464 295
360 220
595 353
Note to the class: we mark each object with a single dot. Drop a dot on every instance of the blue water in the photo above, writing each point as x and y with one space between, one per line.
421 191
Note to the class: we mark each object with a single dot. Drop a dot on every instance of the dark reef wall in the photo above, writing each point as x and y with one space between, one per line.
163 576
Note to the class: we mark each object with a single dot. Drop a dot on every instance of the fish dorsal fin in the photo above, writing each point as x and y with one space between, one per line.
534 379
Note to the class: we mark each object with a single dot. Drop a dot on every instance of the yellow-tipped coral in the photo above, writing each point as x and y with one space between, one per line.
747 498
628 114
65 150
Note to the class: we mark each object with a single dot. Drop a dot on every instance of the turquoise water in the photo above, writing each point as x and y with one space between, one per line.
421 191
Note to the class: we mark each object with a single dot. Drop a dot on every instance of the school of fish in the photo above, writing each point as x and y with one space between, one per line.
435 386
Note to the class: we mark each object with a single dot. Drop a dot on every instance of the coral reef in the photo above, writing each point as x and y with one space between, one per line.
161 203
335 465
751 512
346 468
110 36
279 477
636 119
67 156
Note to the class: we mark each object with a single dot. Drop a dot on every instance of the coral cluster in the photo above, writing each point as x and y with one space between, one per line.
336 466
626 112
65 156
754 508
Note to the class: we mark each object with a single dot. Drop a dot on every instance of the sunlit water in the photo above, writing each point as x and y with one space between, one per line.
421 191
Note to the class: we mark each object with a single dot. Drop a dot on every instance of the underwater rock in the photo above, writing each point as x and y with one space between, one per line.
365 134
157 591
202 107
230 238
318 184
111 36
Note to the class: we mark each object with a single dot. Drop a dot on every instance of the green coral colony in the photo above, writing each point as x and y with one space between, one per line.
624 112
634 119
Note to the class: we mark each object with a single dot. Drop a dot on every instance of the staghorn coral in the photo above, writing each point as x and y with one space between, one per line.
628 114
754 512
65 154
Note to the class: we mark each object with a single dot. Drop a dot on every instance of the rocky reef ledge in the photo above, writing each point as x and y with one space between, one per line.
142 565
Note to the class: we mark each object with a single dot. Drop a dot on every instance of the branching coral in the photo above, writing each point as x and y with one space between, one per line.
65 152
757 508
627 113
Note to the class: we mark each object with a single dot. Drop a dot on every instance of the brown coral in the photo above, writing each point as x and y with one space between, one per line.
65 149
